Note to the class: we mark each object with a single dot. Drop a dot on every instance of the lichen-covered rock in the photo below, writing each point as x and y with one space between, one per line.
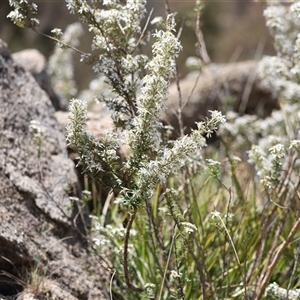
40 229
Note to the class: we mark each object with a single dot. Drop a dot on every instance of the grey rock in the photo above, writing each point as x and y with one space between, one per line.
34 62
234 86
39 227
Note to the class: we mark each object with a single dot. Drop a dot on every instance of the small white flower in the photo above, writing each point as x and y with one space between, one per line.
156 20
174 274
188 227
74 199
278 151
100 241
150 290
57 31
295 144
295 7
214 167
108 2
86 193
217 116
215 215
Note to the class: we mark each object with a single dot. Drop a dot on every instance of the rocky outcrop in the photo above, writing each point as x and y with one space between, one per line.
42 234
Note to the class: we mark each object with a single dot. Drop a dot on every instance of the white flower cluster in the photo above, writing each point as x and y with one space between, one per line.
268 165
150 290
239 131
282 72
96 155
23 13
145 135
282 75
188 227
274 292
270 138
283 24
108 240
295 144
248 130
172 158
214 167
117 34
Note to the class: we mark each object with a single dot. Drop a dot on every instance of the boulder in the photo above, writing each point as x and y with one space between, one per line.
42 233
234 86
34 62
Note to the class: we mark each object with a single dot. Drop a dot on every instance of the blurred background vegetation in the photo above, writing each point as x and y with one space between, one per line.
233 31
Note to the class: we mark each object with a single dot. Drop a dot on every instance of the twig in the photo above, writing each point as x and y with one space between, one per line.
60 42
202 52
144 30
